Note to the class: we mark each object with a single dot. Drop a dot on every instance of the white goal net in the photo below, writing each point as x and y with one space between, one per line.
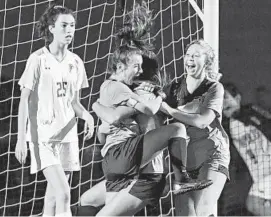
176 23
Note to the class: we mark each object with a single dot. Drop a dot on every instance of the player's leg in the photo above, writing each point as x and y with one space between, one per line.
184 205
57 179
258 205
174 136
95 196
123 204
206 199
49 206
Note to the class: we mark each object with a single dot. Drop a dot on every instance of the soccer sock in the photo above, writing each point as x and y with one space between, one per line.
178 152
84 211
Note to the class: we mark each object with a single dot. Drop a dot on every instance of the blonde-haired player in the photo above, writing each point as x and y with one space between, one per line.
50 87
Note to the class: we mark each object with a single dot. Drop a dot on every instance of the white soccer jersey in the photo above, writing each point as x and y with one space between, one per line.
53 84
255 149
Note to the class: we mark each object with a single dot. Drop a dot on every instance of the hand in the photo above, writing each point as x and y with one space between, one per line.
89 128
106 128
21 151
146 86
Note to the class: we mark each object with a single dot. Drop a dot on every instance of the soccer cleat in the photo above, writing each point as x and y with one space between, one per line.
188 184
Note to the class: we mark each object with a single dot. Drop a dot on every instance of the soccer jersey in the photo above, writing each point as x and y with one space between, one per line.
53 84
255 149
112 94
212 141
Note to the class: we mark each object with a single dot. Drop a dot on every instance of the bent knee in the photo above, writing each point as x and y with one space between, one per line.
179 130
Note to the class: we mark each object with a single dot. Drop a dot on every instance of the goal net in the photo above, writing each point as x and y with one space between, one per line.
176 23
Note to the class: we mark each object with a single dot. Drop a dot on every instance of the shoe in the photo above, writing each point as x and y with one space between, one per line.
188 184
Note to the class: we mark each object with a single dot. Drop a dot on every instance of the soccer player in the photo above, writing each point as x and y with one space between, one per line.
49 101
248 130
124 151
196 100
153 173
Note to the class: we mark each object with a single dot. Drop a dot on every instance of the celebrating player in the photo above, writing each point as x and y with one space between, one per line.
125 151
197 100
152 173
50 88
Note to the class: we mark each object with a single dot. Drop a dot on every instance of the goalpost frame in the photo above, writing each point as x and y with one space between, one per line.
210 19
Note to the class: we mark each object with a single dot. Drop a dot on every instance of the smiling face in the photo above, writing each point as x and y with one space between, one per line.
132 69
63 29
194 60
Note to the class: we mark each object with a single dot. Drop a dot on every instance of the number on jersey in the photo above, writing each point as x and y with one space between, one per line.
61 88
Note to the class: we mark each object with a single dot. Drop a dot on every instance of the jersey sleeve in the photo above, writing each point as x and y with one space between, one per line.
118 93
214 98
30 75
82 81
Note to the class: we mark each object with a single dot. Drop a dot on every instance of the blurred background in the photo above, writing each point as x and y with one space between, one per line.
244 46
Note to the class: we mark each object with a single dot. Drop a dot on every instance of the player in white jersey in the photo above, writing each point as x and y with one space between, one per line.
50 86
247 132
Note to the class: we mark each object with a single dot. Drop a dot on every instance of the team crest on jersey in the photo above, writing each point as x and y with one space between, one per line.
71 67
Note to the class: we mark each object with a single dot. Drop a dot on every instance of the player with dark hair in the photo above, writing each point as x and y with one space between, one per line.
49 101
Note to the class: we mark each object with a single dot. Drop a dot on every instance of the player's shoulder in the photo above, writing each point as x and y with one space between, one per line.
75 57
216 86
36 55
113 86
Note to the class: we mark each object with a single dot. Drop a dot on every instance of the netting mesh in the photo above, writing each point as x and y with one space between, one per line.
175 25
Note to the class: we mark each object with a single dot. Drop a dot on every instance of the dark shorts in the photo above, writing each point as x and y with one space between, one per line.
149 188
121 167
212 166
122 162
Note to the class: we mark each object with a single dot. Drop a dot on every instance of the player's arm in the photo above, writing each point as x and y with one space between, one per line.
82 113
210 108
21 148
148 107
112 115
200 120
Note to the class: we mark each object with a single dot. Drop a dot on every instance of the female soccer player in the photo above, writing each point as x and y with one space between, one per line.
154 172
125 151
197 101
50 88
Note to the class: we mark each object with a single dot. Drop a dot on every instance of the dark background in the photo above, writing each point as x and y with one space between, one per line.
244 60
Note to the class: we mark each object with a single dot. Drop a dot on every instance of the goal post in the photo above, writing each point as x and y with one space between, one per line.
210 18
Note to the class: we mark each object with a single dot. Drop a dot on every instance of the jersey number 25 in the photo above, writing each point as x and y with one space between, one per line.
61 88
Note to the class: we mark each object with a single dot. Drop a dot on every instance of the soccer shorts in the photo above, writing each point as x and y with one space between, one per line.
210 165
122 162
149 188
44 155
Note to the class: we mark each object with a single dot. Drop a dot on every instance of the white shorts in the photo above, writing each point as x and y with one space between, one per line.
47 154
